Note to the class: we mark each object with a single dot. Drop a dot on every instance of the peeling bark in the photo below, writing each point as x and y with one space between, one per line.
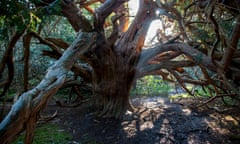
24 113
150 68
114 66
112 63
197 56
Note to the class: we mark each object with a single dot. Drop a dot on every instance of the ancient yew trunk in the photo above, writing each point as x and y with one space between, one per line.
112 61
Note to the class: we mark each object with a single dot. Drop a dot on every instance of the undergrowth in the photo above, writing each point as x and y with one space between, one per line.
48 134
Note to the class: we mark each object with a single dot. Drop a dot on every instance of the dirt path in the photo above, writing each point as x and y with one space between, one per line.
155 121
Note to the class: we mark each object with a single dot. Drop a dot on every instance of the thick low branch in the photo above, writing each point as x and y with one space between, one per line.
81 70
197 56
166 56
149 68
25 111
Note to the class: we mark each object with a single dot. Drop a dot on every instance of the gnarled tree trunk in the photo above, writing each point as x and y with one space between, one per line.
24 113
114 62
112 81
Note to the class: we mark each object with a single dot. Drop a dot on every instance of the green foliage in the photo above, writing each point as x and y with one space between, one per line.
230 101
19 15
197 91
150 86
202 91
48 134
59 27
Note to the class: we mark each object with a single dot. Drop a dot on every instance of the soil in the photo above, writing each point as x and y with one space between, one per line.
155 120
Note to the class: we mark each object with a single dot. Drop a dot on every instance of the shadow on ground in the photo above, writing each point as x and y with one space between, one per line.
155 121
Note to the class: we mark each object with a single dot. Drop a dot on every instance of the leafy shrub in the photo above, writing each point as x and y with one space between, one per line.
150 86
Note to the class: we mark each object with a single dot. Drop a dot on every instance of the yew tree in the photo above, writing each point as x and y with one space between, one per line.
109 52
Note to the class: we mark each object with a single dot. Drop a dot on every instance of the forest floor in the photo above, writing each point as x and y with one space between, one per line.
155 121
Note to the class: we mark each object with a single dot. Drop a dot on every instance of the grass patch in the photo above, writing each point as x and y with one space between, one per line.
48 134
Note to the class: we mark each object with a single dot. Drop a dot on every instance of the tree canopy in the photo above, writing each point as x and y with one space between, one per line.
197 43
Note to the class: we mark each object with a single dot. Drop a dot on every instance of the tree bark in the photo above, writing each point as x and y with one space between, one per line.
24 113
197 56
112 80
72 13
8 60
232 46
114 65
26 45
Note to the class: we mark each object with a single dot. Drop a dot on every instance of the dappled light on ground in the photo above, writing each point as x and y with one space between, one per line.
155 121
171 123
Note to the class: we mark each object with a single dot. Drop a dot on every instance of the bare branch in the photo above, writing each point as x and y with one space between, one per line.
163 65
24 112
72 13
82 70
104 11
197 56
181 82
8 60
214 97
165 56
195 82
114 35
58 42
135 35
26 44
173 13
46 42
232 46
